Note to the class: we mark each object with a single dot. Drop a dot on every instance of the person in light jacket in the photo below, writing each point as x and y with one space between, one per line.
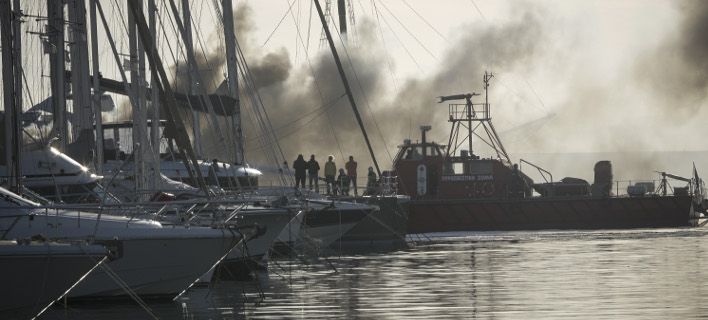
313 170
330 171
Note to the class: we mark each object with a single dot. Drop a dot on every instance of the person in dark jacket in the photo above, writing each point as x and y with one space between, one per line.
300 167
371 182
343 182
351 172
313 170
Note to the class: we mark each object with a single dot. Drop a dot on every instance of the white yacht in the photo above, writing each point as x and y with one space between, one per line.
34 274
147 257
56 176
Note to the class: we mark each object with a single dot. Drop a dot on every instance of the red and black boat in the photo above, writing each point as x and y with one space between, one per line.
453 189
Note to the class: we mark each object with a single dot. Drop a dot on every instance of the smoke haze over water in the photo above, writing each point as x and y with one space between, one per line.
599 85
325 131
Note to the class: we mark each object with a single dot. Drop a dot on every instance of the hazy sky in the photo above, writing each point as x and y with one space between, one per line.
603 76
608 76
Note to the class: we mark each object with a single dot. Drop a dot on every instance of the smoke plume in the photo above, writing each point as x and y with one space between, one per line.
311 115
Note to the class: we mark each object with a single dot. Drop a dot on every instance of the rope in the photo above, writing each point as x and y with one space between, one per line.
290 7
395 35
409 32
324 108
102 261
424 20
363 93
317 84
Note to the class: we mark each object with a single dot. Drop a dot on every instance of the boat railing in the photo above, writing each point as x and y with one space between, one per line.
389 185
541 171
459 112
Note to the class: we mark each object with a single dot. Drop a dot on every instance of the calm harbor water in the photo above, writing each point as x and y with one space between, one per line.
637 274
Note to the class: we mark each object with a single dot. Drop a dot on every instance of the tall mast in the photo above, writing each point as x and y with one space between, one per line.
155 102
17 112
8 81
191 67
12 99
139 131
346 86
55 31
95 83
342 10
174 119
83 144
232 72
200 85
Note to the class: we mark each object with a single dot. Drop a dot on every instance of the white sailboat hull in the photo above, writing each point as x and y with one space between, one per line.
149 258
33 275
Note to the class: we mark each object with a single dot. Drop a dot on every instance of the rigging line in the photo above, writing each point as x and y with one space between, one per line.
517 94
328 106
290 132
297 26
363 93
395 35
224 140
260 111
478 11
409 32
319 91
290 7
125 27
535 94
174 29
424 20
219 24
120 13
213 120
388 57
255 111
508 87
309 28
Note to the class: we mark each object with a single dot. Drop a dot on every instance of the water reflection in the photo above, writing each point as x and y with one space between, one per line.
630 274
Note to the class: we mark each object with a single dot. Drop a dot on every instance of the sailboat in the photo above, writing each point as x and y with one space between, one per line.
147 257
36 273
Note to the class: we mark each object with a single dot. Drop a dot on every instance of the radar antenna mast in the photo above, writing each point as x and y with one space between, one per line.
473 117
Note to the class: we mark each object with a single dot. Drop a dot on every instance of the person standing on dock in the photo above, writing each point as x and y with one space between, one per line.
330 171
371 182
351 172
313 169
300 167
343 183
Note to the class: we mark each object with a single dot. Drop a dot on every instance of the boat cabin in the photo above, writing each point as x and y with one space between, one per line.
425 171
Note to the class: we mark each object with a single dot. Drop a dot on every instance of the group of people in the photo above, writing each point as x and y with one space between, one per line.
336 184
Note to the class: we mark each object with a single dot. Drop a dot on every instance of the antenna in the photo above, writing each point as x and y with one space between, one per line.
471 116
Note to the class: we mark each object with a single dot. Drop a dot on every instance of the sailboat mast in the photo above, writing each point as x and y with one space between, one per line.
191 71
17 112
174 119
95 83
232 73
137 68
346 86
82 116
11 75
55 31
155 102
